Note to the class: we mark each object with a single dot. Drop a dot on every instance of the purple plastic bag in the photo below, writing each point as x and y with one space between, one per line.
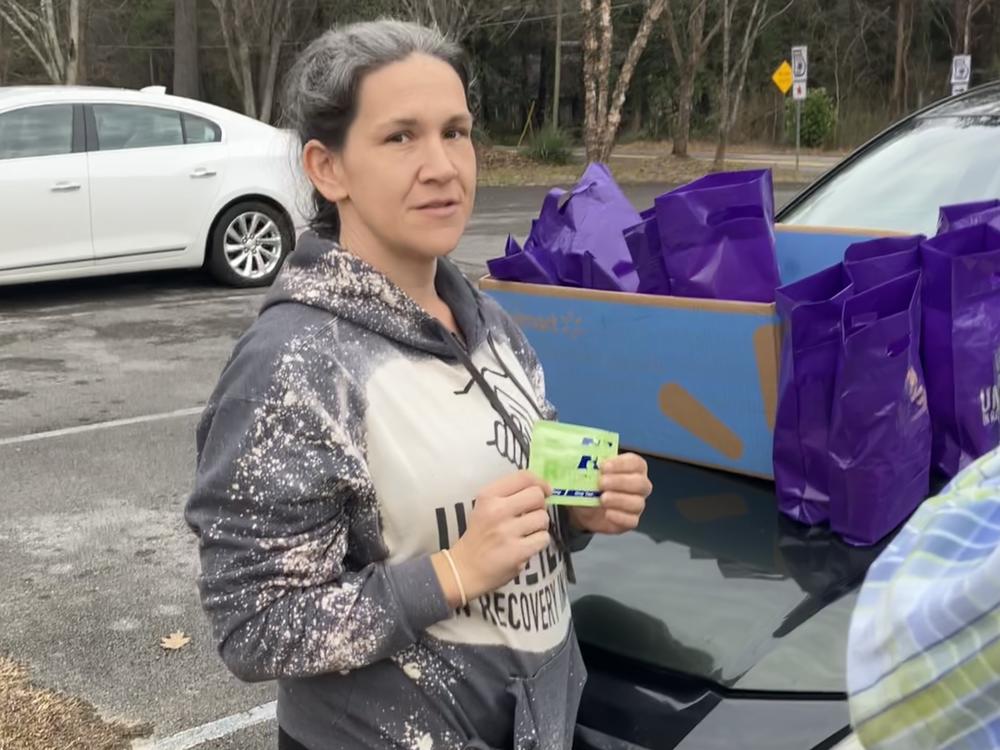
643 242
517 265
811 310
961 346
880 430
590 218
877 261
964 215
717 235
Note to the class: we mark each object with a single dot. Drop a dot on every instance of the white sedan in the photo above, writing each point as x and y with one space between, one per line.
100 181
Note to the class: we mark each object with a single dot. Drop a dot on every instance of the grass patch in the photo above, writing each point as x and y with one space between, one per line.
550 146
506 168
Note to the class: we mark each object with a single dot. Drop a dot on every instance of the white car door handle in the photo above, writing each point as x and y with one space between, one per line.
199 173
65 187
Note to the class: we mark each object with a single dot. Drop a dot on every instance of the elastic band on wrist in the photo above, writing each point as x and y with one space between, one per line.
458 578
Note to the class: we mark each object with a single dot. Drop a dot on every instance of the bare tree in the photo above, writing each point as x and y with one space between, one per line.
852 58
688 62
186 72
603 107
453 18
255 30
4 51
734 66
965 12
904 36
54 35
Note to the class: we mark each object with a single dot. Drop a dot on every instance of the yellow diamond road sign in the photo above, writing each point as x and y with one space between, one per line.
783 77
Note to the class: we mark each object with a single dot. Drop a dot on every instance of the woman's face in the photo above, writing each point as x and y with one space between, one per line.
405 180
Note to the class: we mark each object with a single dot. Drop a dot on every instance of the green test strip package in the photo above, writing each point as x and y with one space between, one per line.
569 458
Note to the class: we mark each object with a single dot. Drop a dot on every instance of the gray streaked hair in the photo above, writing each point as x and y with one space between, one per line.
321 89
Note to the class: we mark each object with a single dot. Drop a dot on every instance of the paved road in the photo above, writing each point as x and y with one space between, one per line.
811 166
101 383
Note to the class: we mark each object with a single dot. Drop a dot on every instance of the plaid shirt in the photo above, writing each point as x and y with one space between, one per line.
923 664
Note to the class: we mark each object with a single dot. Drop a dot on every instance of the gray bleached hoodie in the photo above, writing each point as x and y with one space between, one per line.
343 445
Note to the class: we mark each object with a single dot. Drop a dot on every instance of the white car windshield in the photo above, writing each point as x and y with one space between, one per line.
901 181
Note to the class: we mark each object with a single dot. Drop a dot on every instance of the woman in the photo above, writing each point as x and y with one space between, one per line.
369 537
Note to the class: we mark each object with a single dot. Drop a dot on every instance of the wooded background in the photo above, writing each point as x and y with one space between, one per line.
654 69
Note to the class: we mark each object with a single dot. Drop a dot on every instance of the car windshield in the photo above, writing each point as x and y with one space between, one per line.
900 182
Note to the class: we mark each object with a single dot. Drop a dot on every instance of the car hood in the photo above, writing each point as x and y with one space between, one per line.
715 583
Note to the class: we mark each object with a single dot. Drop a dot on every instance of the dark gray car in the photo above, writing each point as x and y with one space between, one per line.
721 624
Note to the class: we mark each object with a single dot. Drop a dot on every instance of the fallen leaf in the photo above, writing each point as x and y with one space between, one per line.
175 641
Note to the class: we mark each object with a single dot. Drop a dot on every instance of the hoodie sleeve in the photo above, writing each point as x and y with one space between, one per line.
287 520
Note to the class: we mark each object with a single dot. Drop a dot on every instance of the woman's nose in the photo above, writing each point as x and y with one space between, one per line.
437 162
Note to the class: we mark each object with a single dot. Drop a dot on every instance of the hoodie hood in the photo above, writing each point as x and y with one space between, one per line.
323 275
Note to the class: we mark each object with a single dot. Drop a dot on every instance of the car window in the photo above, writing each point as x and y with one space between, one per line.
125 126
901 181
200 130
36 131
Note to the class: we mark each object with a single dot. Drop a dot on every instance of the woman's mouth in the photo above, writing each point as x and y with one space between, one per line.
439 209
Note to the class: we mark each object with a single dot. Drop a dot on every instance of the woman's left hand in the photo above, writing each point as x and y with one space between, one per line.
624 487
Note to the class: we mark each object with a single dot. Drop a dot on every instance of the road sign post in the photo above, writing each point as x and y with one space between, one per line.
800 74
782 78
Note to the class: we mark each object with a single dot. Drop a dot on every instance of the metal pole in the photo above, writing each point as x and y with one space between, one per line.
798 134
558 66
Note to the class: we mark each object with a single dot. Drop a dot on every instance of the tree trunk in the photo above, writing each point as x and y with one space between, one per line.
591 134
688 64
76 50
55 50
244 62
4 53
967 30
961 14
720 148
635 50
605 39
902 44
543 109
235 35
186 69
682 135
753 29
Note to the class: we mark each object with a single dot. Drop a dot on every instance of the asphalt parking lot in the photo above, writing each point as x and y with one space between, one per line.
101 385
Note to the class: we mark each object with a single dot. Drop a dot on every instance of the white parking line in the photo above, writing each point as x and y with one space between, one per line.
190 738
183 302
20 439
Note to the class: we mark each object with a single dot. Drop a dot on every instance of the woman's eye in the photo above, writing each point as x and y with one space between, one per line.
457 133
398 138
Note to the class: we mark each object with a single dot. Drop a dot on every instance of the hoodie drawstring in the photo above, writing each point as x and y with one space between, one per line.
456 345
509 374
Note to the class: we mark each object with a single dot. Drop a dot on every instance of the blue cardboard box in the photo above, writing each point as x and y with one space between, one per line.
690 379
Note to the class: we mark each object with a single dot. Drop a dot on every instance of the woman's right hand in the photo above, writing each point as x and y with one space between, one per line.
508 525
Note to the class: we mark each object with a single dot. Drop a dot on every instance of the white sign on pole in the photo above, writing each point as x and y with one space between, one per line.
959 88
800 63
961 69
799 91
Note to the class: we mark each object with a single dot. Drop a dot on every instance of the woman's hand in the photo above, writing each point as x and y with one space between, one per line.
508 525
624 487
